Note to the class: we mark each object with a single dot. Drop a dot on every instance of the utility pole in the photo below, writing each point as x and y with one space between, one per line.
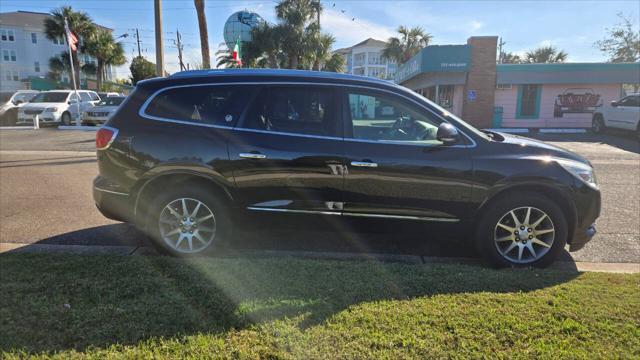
138 41
179 46
500 54
318 13
157 7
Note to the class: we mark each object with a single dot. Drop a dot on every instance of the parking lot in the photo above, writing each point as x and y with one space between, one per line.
45 198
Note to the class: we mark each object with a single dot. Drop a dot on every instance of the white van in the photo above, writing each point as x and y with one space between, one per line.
58 106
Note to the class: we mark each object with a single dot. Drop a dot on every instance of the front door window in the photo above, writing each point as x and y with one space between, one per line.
378 117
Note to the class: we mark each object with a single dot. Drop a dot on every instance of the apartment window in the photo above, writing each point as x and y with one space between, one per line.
36 66
8 55
34 38
55 41
358 59
528 106
7 35
374 58
58 41
12 75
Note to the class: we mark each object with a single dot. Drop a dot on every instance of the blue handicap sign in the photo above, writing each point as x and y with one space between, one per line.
471 95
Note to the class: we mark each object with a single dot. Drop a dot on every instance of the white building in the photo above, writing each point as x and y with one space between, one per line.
365 58
25 50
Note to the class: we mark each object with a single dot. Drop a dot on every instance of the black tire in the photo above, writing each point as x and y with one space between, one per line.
66 119
597 124
223 223
486 229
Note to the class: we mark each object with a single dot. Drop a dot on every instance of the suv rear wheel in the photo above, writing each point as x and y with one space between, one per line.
187 222
522 230
597 124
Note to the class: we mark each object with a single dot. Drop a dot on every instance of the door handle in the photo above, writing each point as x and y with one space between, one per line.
252 156
364 164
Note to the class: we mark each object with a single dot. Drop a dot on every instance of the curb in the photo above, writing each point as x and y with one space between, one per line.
76 127
22 248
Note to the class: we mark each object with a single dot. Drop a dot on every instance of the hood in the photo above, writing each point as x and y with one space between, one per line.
539 148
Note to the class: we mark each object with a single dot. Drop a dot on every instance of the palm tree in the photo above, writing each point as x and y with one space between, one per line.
79 23
335 63
407 45
296 24
265 45
59 64
106 50
318 50
225 58
204 35
509 58
545 54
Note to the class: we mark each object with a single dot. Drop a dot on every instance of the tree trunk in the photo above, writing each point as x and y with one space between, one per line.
204 35
293 62
99 74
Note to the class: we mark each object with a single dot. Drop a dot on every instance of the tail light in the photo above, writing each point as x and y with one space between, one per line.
105 136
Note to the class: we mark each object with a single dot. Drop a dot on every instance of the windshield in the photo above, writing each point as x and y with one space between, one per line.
52 97
111 101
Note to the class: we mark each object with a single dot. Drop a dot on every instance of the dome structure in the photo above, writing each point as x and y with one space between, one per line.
239 26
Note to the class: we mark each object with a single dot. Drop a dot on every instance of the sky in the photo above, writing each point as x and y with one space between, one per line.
572 26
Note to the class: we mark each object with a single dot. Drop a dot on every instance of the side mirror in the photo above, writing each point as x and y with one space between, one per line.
614 103
447 133
73 101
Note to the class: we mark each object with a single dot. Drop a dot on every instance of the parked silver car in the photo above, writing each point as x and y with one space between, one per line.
100 113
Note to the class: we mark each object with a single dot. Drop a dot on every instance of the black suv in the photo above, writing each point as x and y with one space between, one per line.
188 157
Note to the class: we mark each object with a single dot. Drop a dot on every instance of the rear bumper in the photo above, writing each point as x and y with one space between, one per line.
113 204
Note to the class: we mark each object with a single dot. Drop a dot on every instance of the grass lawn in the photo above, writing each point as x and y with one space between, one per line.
102 306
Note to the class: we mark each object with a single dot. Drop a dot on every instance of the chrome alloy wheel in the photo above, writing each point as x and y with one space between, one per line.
187 225
524 235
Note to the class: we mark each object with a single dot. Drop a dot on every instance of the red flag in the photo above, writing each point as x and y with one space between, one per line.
72 39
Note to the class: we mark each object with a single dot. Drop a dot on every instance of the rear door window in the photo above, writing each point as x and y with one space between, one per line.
296 110
85 96
218 105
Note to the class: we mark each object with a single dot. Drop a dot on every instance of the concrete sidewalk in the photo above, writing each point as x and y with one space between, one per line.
623 268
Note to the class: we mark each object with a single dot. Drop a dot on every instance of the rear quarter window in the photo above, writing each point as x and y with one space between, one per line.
217 105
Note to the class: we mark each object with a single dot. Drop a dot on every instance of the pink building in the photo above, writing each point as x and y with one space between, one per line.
466 80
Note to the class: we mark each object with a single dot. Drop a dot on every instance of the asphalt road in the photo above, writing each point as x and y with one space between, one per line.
45 197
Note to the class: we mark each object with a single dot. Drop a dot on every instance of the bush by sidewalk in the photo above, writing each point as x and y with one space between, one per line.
77 306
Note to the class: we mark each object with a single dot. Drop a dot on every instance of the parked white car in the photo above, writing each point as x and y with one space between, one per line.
58 106
102 111
108 94
622 114
11 101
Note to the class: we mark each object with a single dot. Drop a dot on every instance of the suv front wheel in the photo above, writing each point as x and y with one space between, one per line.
187 222
522 230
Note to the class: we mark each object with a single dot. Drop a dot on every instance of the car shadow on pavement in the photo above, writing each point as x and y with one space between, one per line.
87 302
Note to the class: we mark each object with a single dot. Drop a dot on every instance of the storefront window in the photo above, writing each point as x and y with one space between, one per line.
528 101
445 96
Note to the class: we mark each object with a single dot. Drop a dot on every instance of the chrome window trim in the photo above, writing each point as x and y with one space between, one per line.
380 216
294 211
142 112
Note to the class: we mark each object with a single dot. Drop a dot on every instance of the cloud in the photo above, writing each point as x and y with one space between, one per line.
350 32
476 25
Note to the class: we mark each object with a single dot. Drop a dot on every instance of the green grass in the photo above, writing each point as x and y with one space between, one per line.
141 307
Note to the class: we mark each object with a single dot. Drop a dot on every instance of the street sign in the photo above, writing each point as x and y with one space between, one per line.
471 95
